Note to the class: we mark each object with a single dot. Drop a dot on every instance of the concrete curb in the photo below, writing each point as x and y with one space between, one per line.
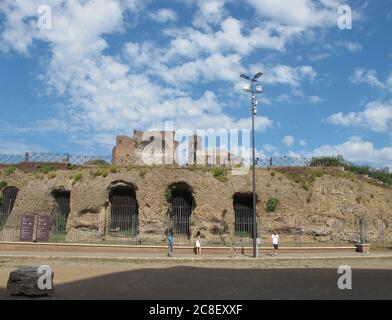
301 260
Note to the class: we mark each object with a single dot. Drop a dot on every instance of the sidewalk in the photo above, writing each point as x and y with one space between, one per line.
283 260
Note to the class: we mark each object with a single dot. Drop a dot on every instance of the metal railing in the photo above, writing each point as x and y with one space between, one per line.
284 161
296 232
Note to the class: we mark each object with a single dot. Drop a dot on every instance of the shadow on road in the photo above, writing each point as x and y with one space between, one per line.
180 283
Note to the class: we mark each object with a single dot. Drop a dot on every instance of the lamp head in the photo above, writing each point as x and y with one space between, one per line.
244 76
257 75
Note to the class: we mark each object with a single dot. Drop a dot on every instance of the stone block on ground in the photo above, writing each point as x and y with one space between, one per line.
24 281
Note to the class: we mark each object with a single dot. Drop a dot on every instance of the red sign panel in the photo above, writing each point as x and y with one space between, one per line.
43 228
26 228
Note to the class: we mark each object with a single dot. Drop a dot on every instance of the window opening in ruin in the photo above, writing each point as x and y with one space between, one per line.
62 209
124 212
7 202
182 203
243 217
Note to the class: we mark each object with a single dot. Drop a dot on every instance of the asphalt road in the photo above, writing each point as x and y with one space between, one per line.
183 282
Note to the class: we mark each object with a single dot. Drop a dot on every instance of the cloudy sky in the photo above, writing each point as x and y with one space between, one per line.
106 67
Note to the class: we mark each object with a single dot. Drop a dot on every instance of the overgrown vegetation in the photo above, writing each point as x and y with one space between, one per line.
272 204
167 194
307 178
9 170
100 171
220 173
97 162
379 174
71 166
3 184
114 169
142 172
52 175
45 169
327 162
77 177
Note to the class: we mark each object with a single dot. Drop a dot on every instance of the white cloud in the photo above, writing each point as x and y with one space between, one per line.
164 15
288 140
284 74
353 46
108 94
362 75
210 12
300 13
302 143
377 117
214 67
17 147
314 99
358 150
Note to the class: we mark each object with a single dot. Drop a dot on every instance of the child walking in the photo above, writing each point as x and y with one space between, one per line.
198 242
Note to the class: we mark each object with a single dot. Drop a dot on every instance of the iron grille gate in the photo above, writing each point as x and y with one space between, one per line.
62 212
124 213
7 203
181 210
243 218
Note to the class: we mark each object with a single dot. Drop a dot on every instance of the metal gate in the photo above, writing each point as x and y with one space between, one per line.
124 213
62 210
243 217
8 200
181 210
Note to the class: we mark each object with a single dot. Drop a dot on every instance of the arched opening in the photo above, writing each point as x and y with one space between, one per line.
7 202
124 211
243 215
62 200
182 204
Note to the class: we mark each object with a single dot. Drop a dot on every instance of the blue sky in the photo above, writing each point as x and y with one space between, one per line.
107 67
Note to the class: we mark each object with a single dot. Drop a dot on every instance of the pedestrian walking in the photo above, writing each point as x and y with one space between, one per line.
170 242
275 242
198 243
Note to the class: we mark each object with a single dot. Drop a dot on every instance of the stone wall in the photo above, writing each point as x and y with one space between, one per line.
319 205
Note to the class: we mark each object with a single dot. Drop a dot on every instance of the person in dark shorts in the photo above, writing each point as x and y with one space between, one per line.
275 242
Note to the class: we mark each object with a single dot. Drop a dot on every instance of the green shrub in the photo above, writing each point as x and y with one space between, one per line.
101 171
114 169
97 162
167 194
220 173
77 177
327 162
3 184
71 166
381 175
45 169
142 172
272 204
52 175
9 170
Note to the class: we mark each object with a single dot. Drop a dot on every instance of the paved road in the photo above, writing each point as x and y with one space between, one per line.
185 282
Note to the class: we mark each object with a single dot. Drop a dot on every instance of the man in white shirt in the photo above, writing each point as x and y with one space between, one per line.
275 242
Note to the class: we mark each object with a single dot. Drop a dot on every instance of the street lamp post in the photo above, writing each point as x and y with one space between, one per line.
253 89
